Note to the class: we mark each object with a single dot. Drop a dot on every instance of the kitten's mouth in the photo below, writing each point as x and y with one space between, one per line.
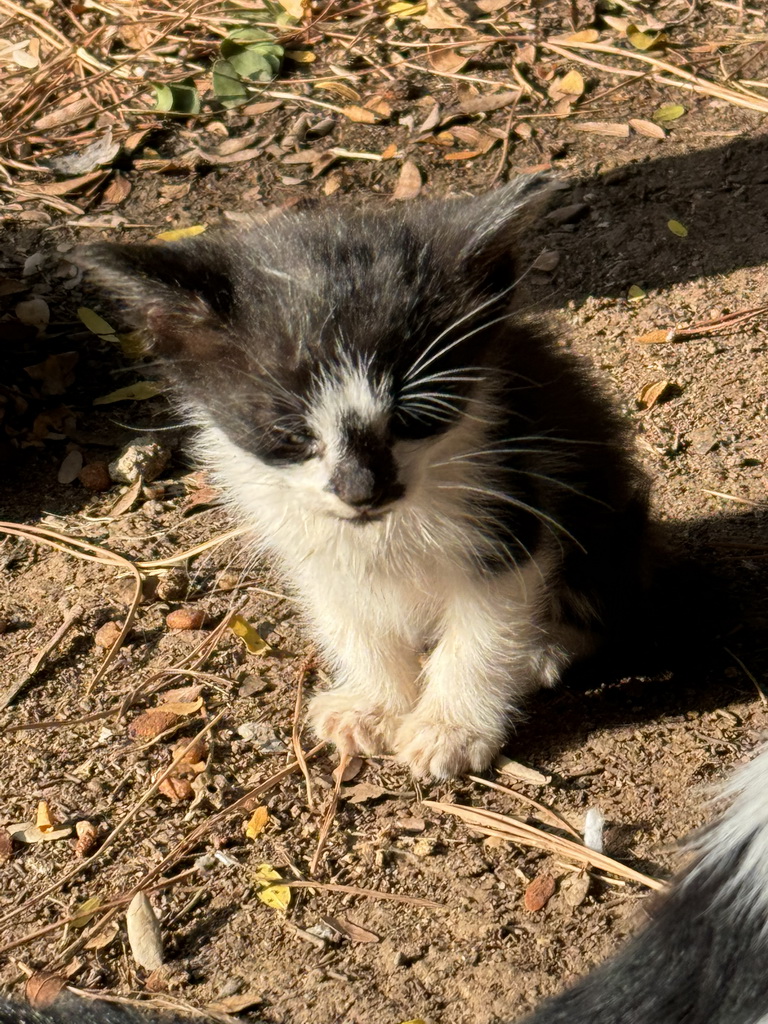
366 517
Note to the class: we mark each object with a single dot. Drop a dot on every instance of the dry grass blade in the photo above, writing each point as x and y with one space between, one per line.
90 553
557 819
512 829
182 556
74 615
354 890
330 814
117 830
298 750
664 73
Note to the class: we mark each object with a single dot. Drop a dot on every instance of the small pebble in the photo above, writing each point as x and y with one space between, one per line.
173 585
107 634
185 618
143 458
95 476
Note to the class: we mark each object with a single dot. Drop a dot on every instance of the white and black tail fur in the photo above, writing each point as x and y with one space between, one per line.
701 960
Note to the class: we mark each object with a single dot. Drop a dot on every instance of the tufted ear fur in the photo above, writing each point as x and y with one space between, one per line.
179 296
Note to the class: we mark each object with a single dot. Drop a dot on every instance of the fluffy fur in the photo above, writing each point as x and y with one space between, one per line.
701 960
445 488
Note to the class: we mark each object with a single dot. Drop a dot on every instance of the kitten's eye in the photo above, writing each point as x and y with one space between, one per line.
293 442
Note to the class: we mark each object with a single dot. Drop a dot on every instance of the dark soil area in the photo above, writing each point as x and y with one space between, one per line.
642 744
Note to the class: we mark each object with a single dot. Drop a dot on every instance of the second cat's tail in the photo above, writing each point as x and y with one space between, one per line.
703 959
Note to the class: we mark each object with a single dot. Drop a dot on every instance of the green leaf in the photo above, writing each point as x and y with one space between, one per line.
635 293
248 35
256 61
179 98
677 228
227 85
669 112
94 322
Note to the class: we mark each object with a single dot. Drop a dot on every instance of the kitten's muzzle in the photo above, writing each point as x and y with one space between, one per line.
363 488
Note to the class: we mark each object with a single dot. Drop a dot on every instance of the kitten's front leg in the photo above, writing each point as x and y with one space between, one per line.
483 666
374 682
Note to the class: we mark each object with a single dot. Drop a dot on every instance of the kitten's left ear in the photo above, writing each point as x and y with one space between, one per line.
495 221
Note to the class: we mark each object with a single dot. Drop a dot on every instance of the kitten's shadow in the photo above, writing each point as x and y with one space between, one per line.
704 635
719 194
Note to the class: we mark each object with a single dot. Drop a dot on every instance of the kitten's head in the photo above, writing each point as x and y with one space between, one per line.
329 344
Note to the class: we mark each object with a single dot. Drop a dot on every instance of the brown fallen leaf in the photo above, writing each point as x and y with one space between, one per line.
117 190
539 892
658 337
618 131
483 104
363 791
354 932
651 394
349 770
43 818
446 60
127 500
506 766
359 114
176 790
28 832
61 188
647 128
182 693
183 708
42 989
6 846
150 724
236 1004
257 822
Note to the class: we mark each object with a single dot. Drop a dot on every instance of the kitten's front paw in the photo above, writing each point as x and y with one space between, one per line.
443 749
352 723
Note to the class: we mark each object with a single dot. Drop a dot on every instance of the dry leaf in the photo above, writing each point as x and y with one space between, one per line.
648 128
506 766
650 394
409 182
183 708
379 106
133 393
151 724
587 35
117 190
235 1004
492 101
655 337
182 693
572 84
617 131
28 832
177 233
61 188
449 61
276 896
539 892
361 792
546 261
6 846
354 932
70 467
360 114
86 912
33 313
144 935
65 114
340 89
576 889
42 989
250 636
103 937
95 323
464 154
351 768
257 822
176 789
43 818
389 152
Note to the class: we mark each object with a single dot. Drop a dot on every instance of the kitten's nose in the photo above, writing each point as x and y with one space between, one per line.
358 486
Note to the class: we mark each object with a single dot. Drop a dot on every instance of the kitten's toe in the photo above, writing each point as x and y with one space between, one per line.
352 723
442 750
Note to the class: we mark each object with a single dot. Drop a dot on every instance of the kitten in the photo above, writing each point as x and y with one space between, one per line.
700 960
446 489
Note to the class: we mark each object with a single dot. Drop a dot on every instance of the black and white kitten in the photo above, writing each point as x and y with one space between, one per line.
445 488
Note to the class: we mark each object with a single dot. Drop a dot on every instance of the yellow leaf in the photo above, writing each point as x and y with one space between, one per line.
94 322
635 293
85 912
295 8
43 819
176 233
677 228
359 114
133 393
131 345
644 40
588 35
276 896
301 56
241 627
571 84
258 822
406 10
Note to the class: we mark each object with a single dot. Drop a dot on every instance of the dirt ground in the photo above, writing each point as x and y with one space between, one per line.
643 748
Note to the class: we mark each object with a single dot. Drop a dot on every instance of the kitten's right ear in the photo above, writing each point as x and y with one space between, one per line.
178 296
